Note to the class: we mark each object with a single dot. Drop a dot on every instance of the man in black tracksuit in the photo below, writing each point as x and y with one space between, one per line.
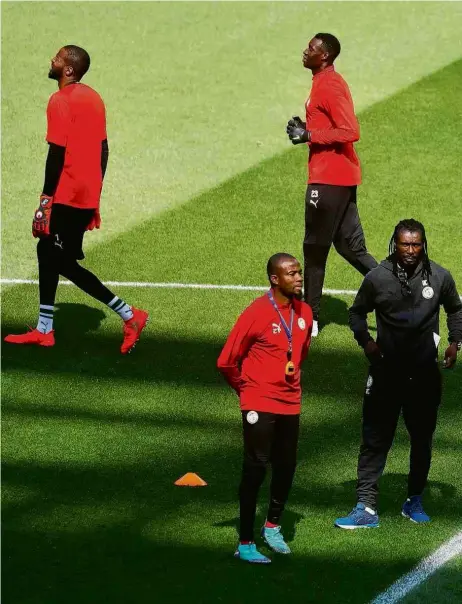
406 291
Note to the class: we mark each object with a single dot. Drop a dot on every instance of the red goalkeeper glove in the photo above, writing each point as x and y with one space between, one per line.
41 220
95 221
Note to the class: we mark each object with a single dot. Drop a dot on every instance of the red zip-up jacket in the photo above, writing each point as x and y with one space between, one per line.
254 357
331 119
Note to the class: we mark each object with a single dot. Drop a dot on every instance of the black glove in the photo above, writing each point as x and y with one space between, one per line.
296 122
296 129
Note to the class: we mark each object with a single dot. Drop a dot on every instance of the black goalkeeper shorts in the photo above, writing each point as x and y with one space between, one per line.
67 228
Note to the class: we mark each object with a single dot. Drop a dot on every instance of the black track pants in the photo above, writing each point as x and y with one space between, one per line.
388 392
272 439
54 261
331 216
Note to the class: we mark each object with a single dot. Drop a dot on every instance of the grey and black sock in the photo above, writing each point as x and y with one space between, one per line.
121 308
45 320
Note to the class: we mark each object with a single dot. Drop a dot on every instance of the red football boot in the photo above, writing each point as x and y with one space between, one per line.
133 328
32 337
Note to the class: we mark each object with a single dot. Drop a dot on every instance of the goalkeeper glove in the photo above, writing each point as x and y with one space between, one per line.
296 129
41 220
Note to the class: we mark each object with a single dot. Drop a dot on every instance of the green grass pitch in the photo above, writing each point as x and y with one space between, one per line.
202 187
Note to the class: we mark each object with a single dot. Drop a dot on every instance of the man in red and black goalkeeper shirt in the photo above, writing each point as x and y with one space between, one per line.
69 205
331 213
261 360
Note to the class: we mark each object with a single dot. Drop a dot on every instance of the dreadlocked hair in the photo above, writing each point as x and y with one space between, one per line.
412 226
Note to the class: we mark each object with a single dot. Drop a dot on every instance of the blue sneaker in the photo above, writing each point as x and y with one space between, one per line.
413 509
275 540
250 553
359 517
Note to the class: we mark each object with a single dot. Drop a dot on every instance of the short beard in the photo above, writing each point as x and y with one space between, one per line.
53 75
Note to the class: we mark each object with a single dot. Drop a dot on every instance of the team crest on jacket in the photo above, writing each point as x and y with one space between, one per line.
252 417
428 292
301 323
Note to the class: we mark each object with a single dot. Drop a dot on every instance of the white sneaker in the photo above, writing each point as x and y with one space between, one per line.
315 329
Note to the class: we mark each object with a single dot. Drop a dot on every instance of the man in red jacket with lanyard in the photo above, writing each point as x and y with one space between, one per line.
261 360
331 213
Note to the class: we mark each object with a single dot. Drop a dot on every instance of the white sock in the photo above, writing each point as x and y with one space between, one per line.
315 329
45 319
121 308
370 510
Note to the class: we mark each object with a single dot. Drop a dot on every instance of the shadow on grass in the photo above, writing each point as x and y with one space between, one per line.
335 311
105 535
291 520
83 350
120 566
123 533
77 319
441 498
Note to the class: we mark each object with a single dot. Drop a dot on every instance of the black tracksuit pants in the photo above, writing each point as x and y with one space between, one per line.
272 439
58 254
390 391
331 216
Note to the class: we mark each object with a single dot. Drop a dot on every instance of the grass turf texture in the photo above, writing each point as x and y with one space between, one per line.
93 441
227 234
197 92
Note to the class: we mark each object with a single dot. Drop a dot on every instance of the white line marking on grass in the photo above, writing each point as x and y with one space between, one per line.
147 284
422 571
350 292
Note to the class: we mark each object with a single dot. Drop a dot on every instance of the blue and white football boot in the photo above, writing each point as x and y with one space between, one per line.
274 539
249 553
413 509
360 516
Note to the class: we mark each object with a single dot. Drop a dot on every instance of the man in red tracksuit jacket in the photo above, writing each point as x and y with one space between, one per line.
69 205
331 213
261 360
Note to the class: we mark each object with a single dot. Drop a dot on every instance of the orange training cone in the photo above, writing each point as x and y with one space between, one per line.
190 480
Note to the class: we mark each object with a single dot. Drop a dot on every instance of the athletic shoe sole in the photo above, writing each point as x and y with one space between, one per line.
238 557
42 344
358 526
412 519
30 344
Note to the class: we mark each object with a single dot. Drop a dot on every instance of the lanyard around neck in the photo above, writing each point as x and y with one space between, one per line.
287 329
